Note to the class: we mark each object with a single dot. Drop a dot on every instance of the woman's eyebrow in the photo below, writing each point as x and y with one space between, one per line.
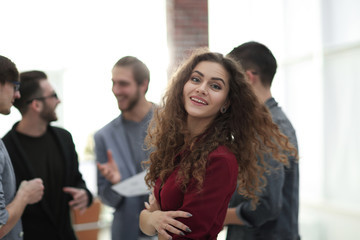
213 78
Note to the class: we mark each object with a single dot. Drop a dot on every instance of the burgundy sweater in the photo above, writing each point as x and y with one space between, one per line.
208 207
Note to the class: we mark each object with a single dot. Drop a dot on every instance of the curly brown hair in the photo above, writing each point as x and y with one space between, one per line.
246 128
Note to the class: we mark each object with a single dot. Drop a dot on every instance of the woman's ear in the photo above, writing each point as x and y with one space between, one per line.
227 104
225 107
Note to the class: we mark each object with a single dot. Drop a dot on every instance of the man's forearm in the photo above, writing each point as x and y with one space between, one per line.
232 218
108 196
15 210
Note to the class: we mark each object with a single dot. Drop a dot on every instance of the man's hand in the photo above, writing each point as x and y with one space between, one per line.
109 169
80 198
32 190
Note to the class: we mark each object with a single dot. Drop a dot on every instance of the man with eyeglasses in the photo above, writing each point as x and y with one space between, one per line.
12 203
38 149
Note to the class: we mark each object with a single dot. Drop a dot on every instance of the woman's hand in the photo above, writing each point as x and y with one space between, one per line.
164 222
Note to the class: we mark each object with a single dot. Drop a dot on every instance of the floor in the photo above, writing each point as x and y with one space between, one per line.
325 222
104 234
316 223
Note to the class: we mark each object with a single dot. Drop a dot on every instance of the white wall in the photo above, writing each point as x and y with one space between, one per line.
77 43
317 45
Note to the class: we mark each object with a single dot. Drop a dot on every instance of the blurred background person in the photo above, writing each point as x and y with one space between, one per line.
38 149
276 216
12 203
119 146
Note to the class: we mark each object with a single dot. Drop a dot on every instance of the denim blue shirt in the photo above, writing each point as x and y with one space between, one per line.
276 215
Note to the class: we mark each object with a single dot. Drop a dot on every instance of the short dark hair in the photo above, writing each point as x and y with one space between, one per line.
254 55
8 71
29 88
140 71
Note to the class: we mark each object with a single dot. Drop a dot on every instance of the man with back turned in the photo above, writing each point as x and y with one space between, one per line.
276 215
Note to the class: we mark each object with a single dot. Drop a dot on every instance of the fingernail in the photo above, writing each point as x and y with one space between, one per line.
189 215
182 234
170 238
188 230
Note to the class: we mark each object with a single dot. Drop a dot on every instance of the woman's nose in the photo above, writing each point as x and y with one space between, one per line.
201 89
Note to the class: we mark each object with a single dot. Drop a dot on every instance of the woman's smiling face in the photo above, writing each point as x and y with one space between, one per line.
206 91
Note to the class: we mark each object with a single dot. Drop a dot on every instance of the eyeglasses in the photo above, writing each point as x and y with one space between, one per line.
16 85
54 95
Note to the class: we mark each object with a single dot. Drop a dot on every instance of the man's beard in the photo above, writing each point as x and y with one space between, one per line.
48 114
132 102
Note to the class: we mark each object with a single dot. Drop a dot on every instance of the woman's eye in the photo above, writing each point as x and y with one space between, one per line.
215 86
195 79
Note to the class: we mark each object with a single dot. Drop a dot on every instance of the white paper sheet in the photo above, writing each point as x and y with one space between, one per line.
134 186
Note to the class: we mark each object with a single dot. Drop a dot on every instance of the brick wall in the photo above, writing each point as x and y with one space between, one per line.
187 26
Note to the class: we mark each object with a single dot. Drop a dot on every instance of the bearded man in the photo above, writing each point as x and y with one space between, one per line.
119 146
40 150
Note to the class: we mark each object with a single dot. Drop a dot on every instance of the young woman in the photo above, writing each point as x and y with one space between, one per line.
206 137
